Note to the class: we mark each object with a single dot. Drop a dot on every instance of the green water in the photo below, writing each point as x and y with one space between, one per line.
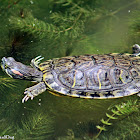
98 27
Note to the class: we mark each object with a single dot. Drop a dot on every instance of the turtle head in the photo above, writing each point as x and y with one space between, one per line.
18 70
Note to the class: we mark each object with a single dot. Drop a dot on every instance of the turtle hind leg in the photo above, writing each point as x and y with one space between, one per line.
136 50
35 62
33 91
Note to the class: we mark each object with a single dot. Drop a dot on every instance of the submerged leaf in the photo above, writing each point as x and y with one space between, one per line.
105 122
101 127
116 112
111 116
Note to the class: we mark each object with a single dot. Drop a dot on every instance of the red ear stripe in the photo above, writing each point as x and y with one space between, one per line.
16 72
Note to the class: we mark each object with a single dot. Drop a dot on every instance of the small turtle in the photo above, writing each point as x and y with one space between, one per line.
85 76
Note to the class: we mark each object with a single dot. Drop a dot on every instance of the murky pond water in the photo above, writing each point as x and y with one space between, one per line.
56 29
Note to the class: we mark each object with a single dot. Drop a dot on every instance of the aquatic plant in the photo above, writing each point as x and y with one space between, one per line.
125 109
36 126
6 82
69 22
125 126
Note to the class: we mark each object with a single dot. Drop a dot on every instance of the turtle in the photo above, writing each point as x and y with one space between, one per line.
98 76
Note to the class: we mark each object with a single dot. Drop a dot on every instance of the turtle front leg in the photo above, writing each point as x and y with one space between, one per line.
33 91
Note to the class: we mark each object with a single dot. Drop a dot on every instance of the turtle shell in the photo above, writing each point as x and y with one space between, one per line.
93 76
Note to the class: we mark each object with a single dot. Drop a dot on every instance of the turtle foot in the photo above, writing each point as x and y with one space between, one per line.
136 50
33 91
28 95
35 62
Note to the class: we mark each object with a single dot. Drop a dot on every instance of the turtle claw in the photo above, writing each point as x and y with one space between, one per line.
36 61
27 96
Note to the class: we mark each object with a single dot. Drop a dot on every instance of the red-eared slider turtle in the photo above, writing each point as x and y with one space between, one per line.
85 76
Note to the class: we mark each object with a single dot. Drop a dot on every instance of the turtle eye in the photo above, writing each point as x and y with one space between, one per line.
6 66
